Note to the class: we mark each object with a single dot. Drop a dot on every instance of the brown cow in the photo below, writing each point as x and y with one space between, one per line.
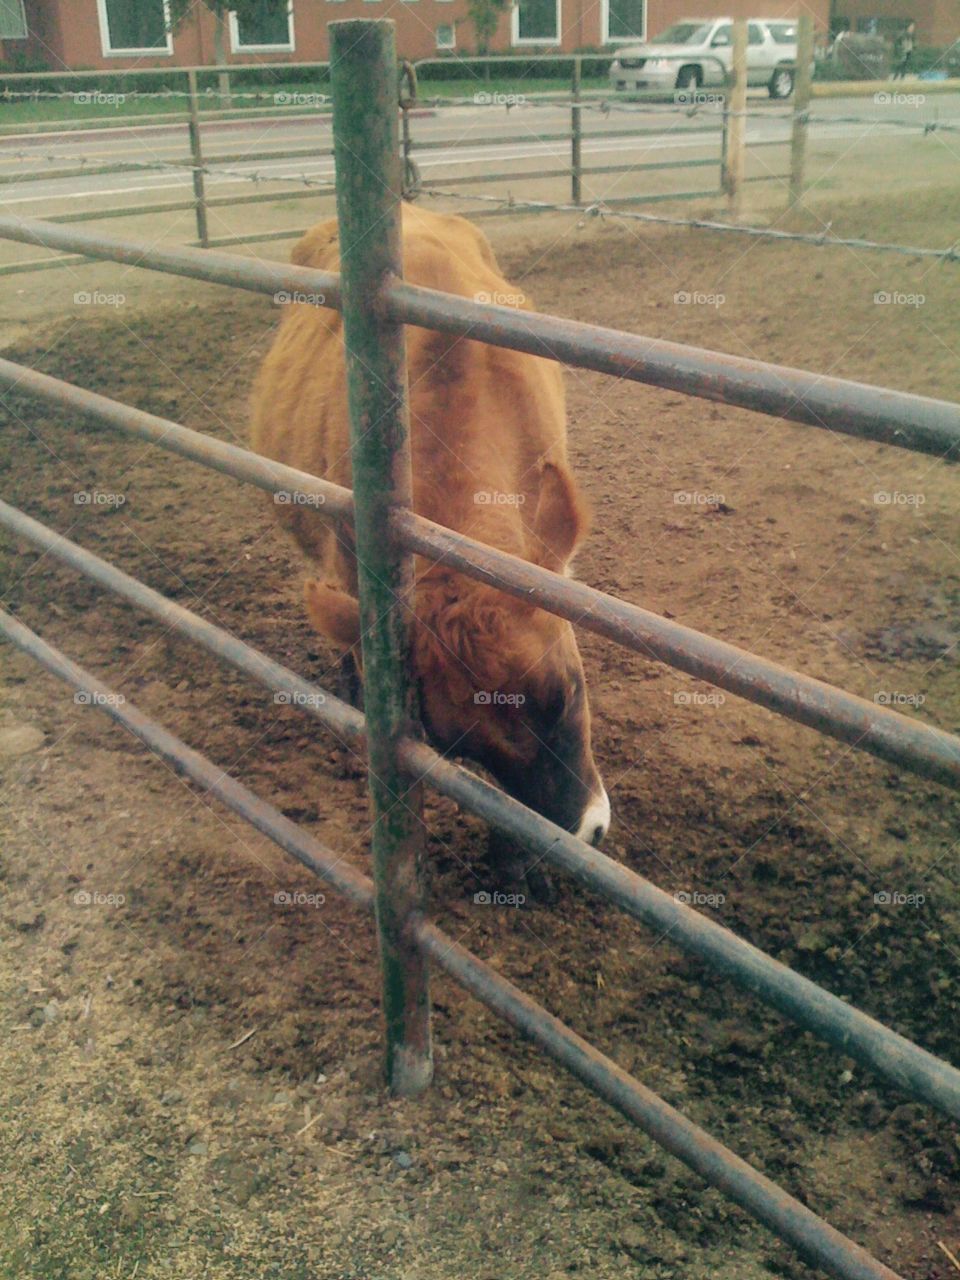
501 682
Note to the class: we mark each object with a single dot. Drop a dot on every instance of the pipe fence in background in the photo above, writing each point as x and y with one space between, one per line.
376 304
719 116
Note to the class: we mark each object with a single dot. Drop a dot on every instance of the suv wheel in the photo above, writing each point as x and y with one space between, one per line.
689 78
781 83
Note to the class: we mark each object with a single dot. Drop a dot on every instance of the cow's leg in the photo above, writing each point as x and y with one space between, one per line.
349 686
516 870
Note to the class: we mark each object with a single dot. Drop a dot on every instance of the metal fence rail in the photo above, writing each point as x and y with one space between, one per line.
838 404
899 1061
376 306
813 1238
881 731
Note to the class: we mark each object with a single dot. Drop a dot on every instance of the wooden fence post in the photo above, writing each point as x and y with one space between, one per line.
736 131
801 104
576 137
196 151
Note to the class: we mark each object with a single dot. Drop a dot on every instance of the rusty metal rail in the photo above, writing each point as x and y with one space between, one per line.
881 731
838 404
898 1060
813 1238
376 305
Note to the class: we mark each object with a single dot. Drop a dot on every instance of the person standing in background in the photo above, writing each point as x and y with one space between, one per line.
903 51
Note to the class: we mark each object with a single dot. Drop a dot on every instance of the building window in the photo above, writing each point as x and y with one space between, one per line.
134 27
266 29
446 37
623 20
536 22
13 21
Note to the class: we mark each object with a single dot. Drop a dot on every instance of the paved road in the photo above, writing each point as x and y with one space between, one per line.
513 143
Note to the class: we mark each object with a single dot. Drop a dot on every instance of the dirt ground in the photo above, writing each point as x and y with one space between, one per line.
191 1070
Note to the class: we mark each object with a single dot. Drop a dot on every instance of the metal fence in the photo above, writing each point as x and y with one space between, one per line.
376 305
719 117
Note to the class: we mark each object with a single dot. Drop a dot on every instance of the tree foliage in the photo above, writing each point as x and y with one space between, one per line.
485 16
246 10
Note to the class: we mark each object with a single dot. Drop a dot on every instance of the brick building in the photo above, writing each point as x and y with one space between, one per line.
112 34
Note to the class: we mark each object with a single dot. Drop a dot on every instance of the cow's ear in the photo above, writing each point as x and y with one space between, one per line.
334 614
561 518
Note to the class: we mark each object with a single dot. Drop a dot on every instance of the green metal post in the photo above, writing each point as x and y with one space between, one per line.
366 149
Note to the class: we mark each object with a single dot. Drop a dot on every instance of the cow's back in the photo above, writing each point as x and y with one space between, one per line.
481 418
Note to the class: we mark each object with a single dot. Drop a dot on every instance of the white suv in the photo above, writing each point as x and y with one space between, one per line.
698 53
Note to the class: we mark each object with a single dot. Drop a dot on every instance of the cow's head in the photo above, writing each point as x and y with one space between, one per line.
501 681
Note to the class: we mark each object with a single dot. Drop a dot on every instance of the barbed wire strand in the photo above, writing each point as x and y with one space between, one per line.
712 105
101 97
600 210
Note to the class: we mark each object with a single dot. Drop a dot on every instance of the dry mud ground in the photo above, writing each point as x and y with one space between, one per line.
139 1138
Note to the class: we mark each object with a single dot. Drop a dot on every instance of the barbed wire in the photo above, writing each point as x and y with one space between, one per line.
210 169
712 105
109 98
928 126
598 209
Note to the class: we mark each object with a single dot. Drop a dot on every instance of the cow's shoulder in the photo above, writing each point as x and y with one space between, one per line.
440 251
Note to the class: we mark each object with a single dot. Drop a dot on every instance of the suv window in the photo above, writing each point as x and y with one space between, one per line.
783 32
682 33
754 33
723 35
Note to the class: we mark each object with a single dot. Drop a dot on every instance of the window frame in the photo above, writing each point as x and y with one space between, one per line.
23 17
237 47
517 40
110 52
607 38
445 48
